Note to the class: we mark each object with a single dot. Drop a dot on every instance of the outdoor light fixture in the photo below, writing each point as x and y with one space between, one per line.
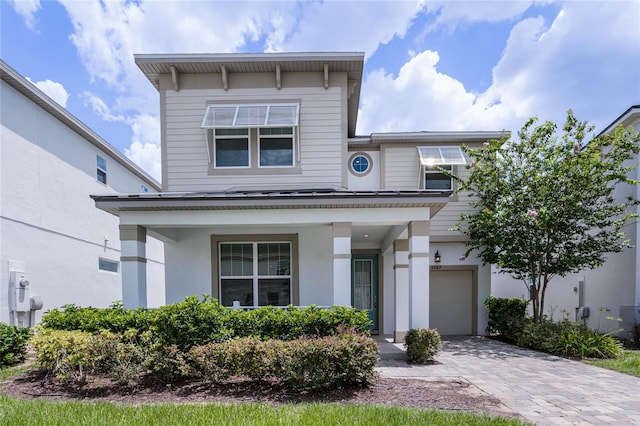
437 257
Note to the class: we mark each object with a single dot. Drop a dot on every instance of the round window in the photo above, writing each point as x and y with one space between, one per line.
360 164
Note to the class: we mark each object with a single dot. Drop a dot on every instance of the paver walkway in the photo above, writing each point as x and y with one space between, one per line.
544 389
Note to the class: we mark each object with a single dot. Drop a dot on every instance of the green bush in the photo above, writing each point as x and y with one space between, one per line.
506 316
64 354
13 344
569 339
305 363
422 344
114 318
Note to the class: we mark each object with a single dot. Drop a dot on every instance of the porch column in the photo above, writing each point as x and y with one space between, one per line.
401 288
133 240
419 274
342 264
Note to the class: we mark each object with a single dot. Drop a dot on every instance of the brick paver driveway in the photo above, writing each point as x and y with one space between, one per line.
544 389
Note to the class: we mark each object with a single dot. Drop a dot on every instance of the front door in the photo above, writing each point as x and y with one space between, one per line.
364 285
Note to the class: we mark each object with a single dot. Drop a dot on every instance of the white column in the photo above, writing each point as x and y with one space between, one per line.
401 289
133 240
419 274
342 264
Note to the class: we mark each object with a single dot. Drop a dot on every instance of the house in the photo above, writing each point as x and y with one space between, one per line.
270 198
613 290
56 247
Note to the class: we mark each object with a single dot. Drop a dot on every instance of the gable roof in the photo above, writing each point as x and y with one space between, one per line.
152 65
626 118
29 90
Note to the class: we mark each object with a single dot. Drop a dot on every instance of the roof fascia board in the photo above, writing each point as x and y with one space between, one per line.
22 85
634 109
247 57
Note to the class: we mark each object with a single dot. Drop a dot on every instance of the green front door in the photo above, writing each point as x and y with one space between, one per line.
364 285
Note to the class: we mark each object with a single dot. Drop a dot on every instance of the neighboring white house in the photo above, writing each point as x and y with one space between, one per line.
269 197
614 287
51 235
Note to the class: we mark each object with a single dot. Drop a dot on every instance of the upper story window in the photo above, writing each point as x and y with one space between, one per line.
252 136
101 169
276 147
434 162
436 180
231 147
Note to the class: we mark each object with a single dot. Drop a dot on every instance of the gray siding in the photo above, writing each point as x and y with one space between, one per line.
321 132
401 170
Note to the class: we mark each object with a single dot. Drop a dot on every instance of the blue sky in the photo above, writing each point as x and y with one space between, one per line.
453 65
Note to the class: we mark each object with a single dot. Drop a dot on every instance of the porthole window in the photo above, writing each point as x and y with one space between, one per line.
360 164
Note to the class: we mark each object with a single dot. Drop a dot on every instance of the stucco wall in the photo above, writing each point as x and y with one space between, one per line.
189 261
49 225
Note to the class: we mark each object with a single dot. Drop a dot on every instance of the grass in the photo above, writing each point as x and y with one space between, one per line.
628 363
40 412
6 372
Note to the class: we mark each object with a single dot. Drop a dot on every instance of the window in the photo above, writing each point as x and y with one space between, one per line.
255 273
251 136
276 147
436 180
101 169
107 265
360 164
231 147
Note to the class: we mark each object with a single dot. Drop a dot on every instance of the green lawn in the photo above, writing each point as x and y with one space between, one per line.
40 412
628 363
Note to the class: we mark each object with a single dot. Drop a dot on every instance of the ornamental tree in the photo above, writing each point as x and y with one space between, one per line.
549 204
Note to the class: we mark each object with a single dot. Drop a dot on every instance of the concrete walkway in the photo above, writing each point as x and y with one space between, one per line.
544 389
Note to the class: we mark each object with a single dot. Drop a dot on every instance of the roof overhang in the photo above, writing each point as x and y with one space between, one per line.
626 119
153 65
268 200
416 138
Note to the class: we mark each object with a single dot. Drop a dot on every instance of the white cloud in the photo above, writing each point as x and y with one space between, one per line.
54 90
145 144
344 26
27 9
546 68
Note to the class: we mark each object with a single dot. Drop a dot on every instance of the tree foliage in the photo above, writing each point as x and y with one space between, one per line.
549 204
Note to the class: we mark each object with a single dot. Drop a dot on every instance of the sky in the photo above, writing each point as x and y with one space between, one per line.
429 65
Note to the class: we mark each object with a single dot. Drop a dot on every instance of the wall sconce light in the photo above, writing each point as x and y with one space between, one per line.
437 257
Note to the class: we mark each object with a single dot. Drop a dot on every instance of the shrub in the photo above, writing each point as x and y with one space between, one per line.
13 344
191 322
305 363
114 318
64 354
422 344
569 339
506 316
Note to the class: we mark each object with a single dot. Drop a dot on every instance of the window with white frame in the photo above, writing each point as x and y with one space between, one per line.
269 128
231 147
255 273
276 147
436 180
435 162
101 169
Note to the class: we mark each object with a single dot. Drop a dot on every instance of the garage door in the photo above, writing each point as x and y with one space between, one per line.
451 302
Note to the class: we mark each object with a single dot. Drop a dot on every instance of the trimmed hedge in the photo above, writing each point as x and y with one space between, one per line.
422 344
198 322
506 316
306 363
13 344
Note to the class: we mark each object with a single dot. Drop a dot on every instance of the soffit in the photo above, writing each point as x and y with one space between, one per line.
152 65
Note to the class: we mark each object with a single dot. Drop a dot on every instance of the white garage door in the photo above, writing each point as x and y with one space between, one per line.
451 302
